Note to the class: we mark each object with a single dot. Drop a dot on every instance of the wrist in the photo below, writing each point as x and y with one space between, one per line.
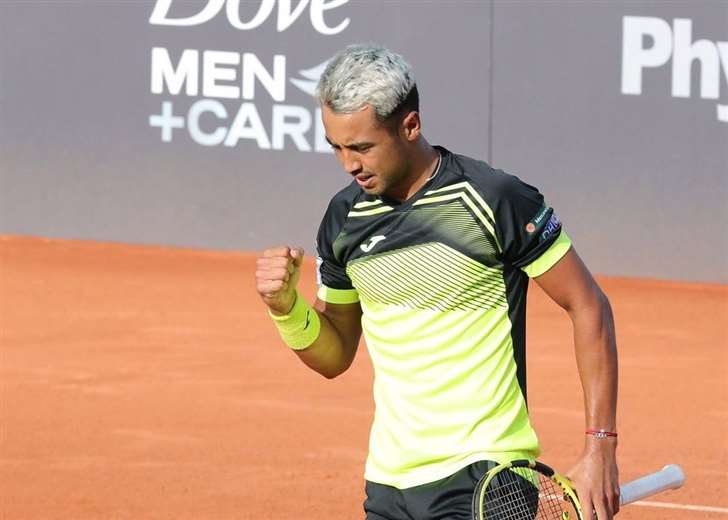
283 310
602 446
299 328
601 433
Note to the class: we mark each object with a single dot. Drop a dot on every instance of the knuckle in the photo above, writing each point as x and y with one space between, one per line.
275 251
277 262
280 273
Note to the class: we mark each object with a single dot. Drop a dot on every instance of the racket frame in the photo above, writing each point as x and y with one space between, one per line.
563 482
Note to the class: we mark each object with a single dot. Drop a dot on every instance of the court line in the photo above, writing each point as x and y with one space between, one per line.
669 505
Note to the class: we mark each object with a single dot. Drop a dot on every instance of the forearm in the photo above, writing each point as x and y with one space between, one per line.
325 337
333 351
596 474
596 357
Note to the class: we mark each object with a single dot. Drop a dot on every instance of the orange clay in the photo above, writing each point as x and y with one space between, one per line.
148 383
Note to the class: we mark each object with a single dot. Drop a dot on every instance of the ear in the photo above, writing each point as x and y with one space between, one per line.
410 127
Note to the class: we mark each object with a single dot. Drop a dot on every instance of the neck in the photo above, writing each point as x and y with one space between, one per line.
425 160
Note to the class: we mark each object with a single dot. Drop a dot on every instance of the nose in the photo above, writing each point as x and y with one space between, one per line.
351 161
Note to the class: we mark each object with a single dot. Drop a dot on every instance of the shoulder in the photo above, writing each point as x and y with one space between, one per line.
498 192
495 188
489 181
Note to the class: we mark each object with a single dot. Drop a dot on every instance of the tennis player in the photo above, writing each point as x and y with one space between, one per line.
430 253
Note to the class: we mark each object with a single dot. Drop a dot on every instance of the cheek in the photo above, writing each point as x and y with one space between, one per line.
373 165
386 162
370 163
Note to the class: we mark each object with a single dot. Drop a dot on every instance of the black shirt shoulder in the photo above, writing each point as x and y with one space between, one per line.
525 225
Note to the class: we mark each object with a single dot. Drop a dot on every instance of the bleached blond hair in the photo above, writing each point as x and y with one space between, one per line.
367 74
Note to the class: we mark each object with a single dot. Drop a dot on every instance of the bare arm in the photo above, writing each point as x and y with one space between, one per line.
332 352
572 287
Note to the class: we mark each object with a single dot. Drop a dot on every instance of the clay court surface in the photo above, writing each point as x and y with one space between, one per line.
148 383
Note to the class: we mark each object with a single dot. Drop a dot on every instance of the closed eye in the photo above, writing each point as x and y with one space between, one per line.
356 147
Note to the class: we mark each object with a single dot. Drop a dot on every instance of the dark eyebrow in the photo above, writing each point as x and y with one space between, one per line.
360 146
353 146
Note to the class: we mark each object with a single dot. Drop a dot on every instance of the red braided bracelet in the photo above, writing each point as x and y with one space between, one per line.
601 434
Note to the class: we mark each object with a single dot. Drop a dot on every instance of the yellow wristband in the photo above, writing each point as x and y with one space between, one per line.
300 327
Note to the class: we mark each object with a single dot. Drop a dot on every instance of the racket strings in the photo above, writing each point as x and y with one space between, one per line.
524 494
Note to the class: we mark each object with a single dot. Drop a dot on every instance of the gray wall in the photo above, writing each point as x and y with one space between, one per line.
535 88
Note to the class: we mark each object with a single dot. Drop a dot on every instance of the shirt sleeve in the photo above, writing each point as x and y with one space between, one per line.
529 230
334 285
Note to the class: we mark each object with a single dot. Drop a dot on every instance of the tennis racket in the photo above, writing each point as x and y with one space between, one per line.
528 490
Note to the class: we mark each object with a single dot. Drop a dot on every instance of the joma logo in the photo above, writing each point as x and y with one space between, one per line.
372 242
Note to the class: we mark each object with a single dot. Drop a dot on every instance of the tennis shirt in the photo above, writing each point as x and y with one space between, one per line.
442 279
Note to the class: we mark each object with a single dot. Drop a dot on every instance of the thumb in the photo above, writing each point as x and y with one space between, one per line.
297 256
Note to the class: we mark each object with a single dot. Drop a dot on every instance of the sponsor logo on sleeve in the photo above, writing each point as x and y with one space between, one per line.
553 225
537 220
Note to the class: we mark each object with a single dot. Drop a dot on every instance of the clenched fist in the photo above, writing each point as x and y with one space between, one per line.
277 274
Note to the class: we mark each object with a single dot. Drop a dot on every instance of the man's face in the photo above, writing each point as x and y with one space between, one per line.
372 152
